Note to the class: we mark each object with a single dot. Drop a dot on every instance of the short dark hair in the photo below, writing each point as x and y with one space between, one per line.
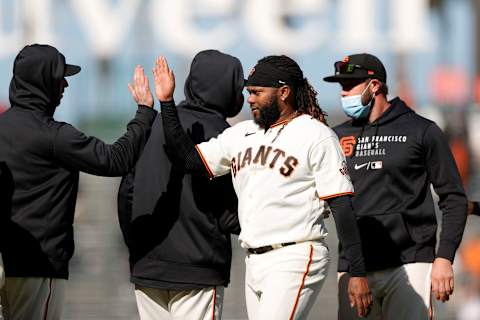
383 88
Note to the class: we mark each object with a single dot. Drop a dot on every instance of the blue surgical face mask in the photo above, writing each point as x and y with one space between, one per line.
353 107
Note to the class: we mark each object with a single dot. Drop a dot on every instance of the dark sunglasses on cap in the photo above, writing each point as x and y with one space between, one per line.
343 67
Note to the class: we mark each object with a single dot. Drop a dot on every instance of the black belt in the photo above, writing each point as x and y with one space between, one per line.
264 249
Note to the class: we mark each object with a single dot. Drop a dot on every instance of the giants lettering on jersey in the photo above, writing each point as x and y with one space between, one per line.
265 156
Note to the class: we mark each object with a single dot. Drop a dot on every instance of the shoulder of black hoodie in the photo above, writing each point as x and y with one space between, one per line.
398 110
88 154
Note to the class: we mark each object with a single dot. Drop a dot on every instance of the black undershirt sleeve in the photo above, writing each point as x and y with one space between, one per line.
476 208
348 234
180 147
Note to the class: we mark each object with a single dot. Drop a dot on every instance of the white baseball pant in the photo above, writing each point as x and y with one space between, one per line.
283 283
157 304
398 293
33 298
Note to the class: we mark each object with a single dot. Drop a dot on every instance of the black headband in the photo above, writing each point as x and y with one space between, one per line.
265 74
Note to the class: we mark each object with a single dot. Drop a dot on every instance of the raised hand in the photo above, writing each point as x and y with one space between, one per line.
164 80
140 89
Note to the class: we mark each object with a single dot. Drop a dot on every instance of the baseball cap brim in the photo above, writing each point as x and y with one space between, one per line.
340 77
71 69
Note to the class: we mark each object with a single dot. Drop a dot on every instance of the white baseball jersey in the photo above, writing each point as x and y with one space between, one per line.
281 177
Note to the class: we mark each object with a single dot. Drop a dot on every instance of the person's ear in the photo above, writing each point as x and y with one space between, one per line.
375 86
284 92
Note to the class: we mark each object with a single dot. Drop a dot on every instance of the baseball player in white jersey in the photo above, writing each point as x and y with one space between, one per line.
287 167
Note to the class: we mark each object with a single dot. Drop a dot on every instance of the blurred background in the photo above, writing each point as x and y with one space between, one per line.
431 49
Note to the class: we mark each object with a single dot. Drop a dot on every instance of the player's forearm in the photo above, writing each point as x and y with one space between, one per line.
454 209
348 233
473 208
443 174
181 148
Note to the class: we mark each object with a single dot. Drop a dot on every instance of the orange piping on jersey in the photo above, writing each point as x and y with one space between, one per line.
279 123
214 301
310 258
430 308
296 114
45 315
210 174
336 195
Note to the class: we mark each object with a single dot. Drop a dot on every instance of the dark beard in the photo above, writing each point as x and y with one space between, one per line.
269 114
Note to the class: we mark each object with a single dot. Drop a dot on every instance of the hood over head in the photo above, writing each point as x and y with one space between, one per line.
38 73
215 82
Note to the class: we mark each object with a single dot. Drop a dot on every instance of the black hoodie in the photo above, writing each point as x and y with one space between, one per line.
177 226
392 163
43 158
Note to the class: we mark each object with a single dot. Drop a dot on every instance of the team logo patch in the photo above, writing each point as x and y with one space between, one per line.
344 171
347 144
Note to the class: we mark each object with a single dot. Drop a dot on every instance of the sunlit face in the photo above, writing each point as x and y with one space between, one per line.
263 102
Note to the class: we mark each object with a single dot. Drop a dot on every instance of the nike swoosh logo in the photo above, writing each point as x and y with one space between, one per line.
360 166
249 134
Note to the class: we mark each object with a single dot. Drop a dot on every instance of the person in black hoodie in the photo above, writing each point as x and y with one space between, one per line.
42 159
6 191
177 226
393 156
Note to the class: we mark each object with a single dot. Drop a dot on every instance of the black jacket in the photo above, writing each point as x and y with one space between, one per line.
177 226
6 192
392 163
43 158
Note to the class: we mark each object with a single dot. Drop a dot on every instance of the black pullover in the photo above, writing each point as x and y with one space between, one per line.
392 163
176 225
43 158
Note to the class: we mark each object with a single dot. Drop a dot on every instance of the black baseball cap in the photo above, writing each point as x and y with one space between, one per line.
358 66
71 69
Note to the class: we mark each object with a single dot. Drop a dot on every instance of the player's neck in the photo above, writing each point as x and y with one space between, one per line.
285 116
287 113
380 106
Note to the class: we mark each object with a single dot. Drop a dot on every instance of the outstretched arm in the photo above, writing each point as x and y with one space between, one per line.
180 148
77 151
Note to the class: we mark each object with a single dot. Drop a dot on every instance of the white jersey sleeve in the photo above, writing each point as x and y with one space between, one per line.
330 169
216 153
